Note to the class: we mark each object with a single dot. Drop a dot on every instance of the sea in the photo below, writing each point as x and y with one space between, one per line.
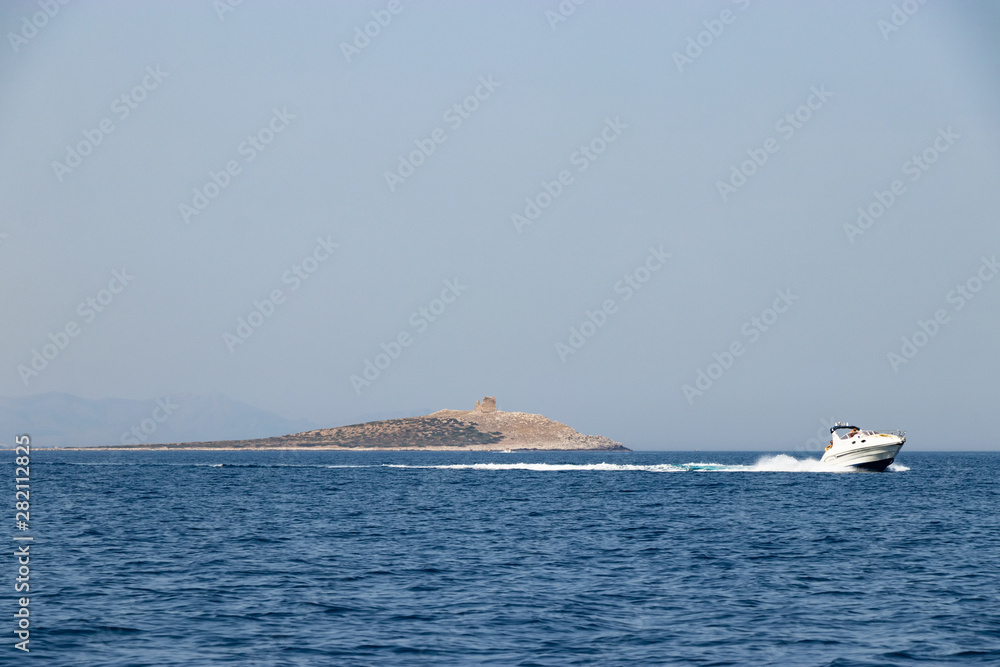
551 558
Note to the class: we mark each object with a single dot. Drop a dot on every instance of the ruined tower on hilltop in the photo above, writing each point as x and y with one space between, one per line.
488 404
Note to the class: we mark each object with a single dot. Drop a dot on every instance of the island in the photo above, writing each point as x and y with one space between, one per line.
484 428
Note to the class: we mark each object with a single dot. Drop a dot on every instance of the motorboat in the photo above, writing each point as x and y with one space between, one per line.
870 450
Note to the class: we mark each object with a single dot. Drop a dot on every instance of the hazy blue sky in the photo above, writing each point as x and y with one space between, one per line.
663 133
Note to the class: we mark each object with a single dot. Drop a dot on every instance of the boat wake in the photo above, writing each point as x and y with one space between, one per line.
777 463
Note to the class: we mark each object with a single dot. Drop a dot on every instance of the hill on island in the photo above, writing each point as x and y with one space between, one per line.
483 428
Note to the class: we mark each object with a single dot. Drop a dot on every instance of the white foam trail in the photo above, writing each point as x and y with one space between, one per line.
786 463
779 463
545 467
776 463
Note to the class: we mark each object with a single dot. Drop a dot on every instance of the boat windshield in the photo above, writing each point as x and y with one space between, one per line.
845 434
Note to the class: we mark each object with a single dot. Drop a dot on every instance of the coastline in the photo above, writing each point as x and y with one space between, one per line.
482 429
328 448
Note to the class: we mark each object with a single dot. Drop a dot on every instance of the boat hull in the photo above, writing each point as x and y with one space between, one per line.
866 457
877 466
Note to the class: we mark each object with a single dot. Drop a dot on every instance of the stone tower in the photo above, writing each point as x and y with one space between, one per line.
488 404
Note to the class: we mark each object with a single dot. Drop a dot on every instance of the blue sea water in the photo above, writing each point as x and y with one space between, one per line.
402 558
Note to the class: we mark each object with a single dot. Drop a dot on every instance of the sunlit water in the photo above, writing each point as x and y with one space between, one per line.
330 558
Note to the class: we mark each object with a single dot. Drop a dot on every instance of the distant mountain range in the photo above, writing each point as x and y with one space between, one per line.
64 420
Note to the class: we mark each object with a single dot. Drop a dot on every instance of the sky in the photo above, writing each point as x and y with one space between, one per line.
685 225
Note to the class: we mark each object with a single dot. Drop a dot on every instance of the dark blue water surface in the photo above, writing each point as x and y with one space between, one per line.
402 558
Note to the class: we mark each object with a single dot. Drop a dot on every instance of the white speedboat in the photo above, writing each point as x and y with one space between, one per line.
872 450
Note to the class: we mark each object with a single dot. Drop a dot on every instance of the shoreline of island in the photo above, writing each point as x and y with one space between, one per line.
482 429
160 448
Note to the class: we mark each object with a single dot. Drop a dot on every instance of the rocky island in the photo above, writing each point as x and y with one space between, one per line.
484 428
